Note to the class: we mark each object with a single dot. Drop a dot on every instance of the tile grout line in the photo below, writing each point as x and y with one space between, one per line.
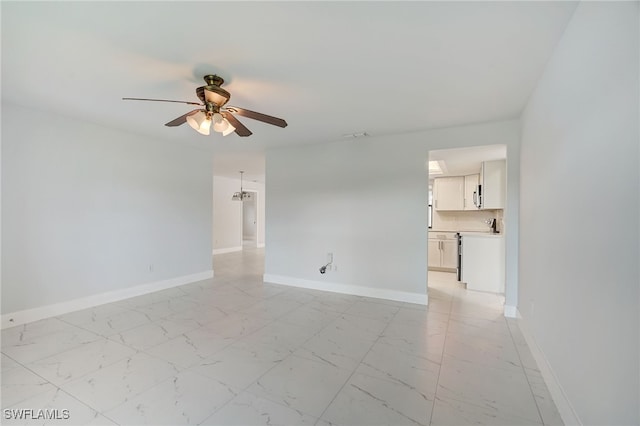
247 283
245 389
524 371
59 388
269 321
56 388
180 369
444 344
358 365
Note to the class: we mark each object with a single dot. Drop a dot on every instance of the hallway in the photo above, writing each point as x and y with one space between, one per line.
233 350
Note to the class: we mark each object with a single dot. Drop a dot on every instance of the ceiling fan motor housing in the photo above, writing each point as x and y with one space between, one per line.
212 92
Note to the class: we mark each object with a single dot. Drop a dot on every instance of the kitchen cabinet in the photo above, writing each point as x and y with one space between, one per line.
485 190
449 254
448 193
492 184
434 255
442 250
471 183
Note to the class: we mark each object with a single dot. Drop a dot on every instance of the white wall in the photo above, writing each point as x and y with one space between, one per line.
249 218
258 188
227 214
88 210
364 201
579 215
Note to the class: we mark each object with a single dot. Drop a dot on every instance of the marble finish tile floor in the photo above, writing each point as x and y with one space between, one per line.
236 351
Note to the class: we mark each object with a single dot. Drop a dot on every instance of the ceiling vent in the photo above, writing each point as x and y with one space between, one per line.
355 135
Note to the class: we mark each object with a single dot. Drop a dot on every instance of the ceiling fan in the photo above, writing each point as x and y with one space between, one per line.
215 114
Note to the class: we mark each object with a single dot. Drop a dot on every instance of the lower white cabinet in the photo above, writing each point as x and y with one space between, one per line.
483 262
442 250
434 255
449 254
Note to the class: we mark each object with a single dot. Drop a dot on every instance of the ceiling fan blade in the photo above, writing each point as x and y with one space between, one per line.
241 130
258 116
161 100
182 119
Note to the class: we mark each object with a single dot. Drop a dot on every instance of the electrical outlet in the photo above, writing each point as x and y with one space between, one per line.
329 257
151 267
335 268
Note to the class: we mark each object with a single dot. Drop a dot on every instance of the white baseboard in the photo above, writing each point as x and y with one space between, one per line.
377 293
563 404
226 250
42 312
510 311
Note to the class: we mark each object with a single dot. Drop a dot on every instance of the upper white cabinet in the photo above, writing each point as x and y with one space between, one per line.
493 184
448 193
484 191
471 200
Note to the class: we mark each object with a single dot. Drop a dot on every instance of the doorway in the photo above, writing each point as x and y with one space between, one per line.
460 209
250 220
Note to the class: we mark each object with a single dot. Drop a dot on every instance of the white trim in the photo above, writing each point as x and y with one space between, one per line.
559 396
510 311
260 245
377 293
35 314
226 250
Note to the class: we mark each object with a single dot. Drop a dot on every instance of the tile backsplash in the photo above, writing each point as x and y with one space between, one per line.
460 221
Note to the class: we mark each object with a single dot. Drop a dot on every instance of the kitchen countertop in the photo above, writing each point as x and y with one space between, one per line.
481 234
465 232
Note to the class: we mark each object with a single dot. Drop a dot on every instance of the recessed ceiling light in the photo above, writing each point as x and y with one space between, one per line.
434 168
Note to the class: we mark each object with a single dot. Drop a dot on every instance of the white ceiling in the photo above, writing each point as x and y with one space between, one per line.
328 68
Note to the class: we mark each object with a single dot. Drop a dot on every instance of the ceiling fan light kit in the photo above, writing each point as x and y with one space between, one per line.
220 124
215 114
230 129
200 122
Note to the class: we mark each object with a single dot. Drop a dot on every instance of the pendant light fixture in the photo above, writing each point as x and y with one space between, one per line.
242 195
